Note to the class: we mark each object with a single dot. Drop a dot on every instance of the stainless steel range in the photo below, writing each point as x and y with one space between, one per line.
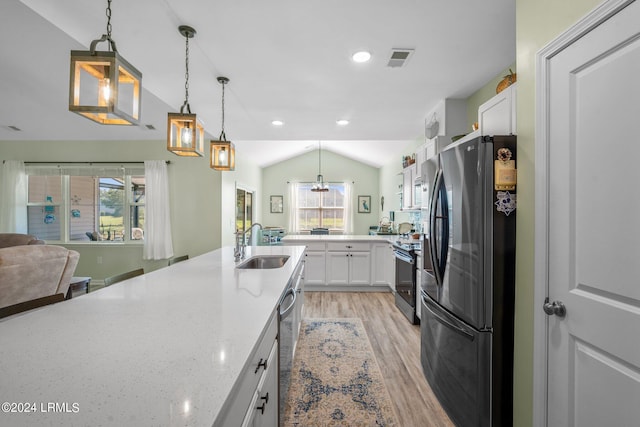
405 253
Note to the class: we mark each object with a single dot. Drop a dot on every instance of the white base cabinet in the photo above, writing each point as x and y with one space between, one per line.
383 265
357 263
259 380
315 262
263 409
348 263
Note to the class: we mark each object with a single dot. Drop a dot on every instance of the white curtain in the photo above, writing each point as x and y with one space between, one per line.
13 197
157 235
292 211
348 208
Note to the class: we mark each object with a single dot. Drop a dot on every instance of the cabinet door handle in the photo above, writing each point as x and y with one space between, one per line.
264 404
263 363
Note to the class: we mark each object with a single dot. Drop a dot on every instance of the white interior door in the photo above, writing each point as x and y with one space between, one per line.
593 235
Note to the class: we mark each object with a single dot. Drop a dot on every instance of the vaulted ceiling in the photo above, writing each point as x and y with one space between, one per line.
286 59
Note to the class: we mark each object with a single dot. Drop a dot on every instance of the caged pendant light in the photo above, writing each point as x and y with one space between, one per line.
223 152
185 133
320 185
103 86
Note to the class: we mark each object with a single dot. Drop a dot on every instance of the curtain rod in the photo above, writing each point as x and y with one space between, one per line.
86 163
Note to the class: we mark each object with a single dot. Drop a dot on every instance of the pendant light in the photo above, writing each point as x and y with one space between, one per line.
319 185
185 133
103 86
223 152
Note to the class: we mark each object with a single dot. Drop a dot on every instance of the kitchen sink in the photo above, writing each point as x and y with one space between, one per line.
264 261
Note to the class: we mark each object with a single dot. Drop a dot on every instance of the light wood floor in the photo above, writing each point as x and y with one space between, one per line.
396 344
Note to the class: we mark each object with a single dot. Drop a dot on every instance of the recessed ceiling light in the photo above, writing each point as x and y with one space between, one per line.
342 122
277 122
362 56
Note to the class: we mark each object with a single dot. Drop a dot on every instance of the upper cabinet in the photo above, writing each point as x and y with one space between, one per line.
497 116
408 178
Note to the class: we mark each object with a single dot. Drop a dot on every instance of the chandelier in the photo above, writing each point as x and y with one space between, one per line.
320 185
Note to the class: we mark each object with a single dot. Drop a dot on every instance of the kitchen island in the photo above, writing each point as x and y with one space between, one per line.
162 349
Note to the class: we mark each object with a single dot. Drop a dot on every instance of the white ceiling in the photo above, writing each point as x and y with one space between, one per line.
286 60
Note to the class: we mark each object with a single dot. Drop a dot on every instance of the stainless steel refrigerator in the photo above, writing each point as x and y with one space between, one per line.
467 286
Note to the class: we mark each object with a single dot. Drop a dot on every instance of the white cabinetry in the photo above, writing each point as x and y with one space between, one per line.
315 261
348 263
383 266
497 115
420 157
408 178
259 379
263 410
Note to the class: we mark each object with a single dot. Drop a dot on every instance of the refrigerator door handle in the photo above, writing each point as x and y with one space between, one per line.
442 240
446 322
433 238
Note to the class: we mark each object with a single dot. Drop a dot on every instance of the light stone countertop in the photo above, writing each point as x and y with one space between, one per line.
162 349
340 238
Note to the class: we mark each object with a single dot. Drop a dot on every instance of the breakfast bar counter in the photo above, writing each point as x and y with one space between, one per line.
161 349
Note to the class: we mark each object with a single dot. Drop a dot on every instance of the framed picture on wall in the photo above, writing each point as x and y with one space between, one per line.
276 204
364 204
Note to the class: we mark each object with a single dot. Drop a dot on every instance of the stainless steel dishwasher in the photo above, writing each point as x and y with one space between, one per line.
287 331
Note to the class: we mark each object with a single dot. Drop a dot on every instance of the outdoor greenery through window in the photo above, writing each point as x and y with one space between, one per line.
104 204
321 209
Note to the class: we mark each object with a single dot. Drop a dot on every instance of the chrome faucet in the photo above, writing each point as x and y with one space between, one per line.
240 249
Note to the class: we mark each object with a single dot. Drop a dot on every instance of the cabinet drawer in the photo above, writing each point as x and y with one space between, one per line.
315 246
349 246
244 389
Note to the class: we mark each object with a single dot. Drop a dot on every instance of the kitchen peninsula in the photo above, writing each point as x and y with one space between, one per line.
347 262
165 348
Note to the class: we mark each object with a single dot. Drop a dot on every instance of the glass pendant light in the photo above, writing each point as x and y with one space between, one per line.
319 185
185 133
103 86
223 152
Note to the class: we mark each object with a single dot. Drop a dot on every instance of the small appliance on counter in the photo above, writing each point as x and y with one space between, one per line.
271 236
385 226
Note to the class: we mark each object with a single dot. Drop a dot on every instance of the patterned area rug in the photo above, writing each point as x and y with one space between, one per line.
336 380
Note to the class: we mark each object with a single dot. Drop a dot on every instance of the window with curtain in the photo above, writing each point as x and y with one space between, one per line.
321 209
77 203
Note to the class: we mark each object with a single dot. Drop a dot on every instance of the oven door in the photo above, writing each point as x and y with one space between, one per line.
405 276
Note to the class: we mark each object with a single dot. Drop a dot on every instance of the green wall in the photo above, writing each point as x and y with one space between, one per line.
537 23
335 168
195 197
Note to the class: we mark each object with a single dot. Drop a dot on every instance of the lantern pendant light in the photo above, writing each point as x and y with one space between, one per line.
319 185
103 86
223 152
185 133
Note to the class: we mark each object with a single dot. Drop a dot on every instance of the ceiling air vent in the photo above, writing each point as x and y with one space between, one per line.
14 128
150 127
399 57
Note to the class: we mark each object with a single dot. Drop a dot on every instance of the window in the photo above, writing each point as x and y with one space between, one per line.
86 203
321 209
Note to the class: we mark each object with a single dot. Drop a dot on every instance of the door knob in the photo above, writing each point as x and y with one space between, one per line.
555 307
